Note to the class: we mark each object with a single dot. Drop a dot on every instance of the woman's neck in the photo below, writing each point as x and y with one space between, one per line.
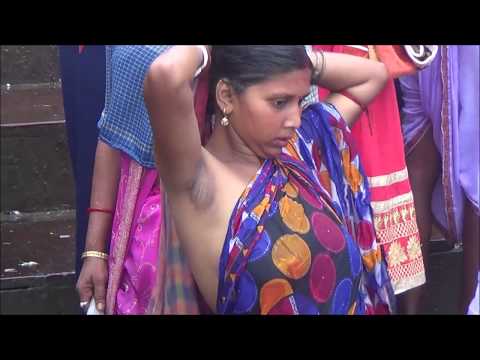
227 146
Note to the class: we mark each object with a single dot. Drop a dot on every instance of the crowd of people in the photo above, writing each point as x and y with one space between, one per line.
274 179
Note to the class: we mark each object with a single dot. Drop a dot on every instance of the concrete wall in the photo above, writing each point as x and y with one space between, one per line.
36 171
29 64
35 164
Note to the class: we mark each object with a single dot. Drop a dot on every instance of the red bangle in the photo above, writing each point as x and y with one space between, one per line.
89 210
351 97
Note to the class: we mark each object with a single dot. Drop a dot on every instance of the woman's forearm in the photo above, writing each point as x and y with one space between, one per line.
363 79
105 180
353 82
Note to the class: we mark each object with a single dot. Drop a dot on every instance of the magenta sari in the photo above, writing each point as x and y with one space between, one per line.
148 273
135 239
146 261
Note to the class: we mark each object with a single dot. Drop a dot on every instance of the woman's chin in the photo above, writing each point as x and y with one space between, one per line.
269 152
273 153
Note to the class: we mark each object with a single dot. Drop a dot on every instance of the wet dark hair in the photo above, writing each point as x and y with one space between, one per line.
246 65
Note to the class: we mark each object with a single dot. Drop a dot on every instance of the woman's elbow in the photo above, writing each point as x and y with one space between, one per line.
378 79
382 75
159 79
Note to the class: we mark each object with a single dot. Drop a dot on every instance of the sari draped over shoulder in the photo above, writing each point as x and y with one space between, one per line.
300 239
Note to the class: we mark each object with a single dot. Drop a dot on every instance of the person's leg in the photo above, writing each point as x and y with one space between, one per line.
423 165
471 255
83 84
68 68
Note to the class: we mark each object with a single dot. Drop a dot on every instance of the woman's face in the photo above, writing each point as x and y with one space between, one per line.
266 115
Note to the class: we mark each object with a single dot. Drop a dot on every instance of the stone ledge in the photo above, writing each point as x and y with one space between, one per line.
65 279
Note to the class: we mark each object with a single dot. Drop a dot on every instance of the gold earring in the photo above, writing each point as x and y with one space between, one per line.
224 122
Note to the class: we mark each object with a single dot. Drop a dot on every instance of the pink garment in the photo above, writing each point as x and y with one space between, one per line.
148 272
135 239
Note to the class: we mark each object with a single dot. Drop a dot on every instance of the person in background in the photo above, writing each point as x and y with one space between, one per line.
129 234
440 121
378 138
83 86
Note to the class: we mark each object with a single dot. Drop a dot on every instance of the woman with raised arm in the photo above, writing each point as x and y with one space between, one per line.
261 233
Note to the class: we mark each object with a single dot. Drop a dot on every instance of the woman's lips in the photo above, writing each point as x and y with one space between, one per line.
281 142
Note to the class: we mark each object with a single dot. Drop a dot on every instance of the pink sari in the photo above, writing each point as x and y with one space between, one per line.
135 239
148 273
145 256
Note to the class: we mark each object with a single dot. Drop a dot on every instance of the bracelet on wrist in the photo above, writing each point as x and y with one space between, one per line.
96 254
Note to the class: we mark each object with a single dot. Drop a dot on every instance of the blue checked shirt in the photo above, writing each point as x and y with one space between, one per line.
124 123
